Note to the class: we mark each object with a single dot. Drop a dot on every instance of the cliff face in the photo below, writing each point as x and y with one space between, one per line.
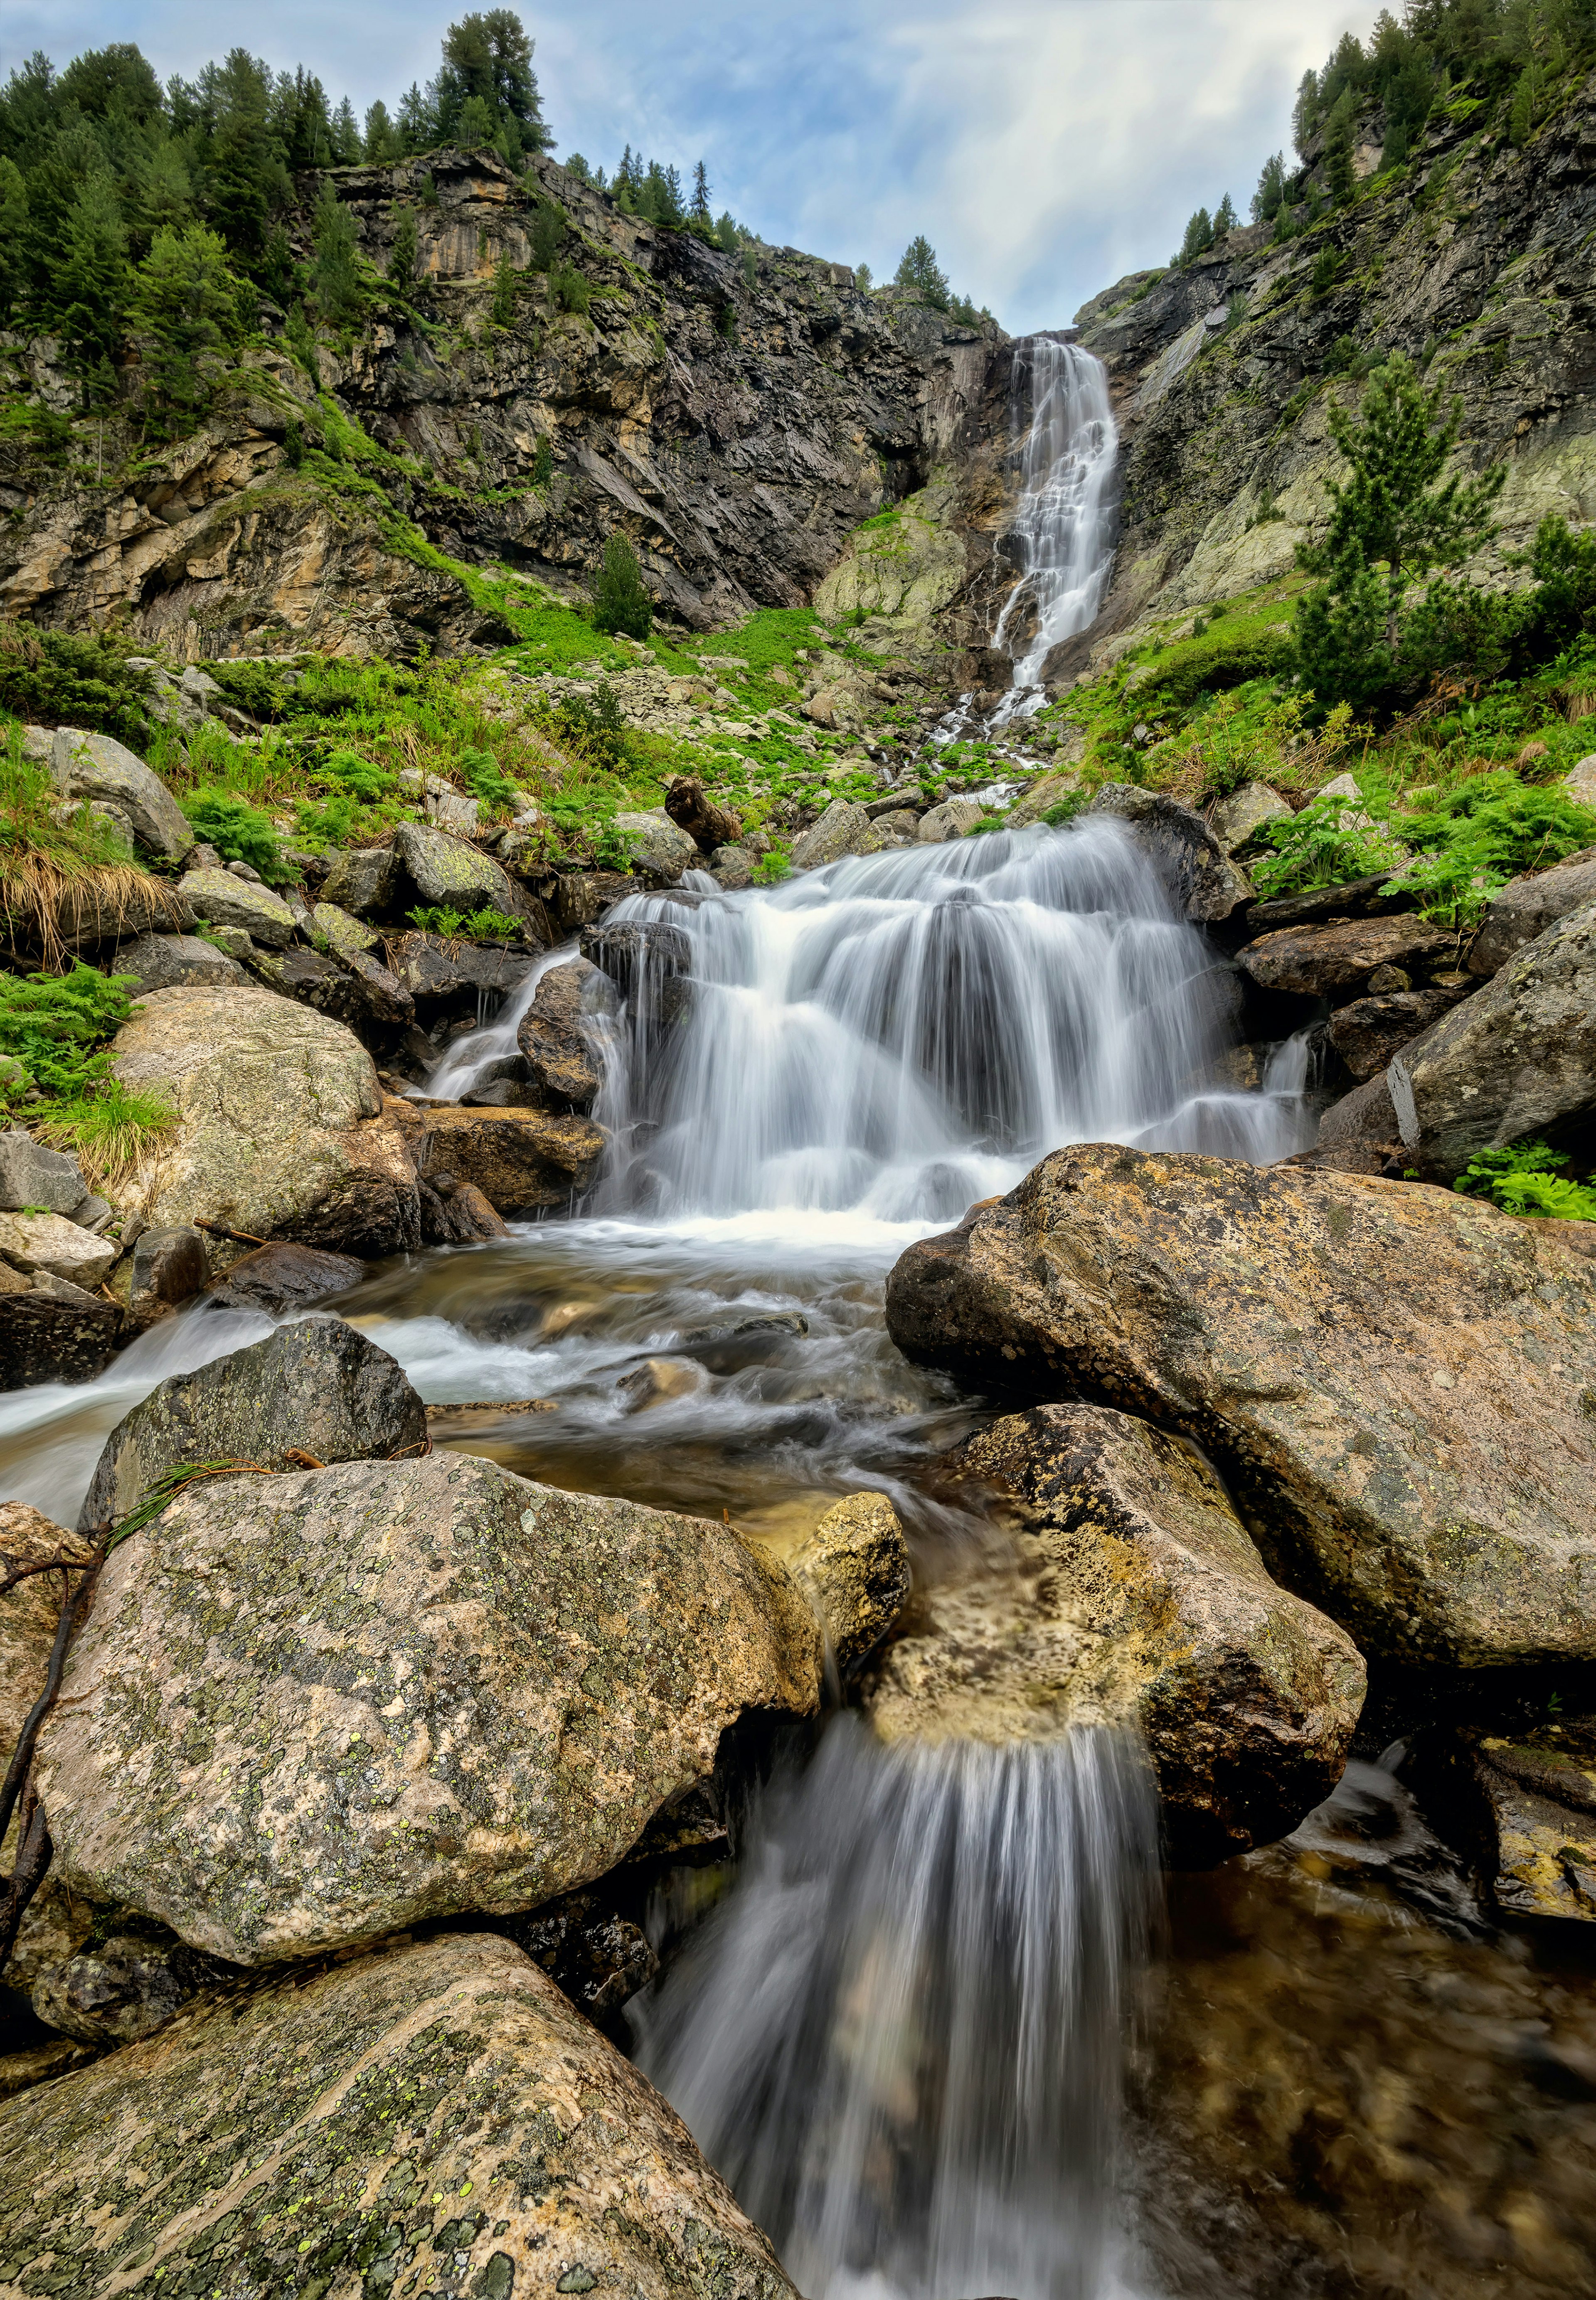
1475 259
738 421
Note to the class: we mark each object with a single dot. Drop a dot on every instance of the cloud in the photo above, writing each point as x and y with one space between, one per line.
1045 147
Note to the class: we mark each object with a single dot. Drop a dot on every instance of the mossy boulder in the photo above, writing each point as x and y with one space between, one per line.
435 2118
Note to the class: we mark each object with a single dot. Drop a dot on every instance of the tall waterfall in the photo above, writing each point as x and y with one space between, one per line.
900 2039
1063 524
899 1035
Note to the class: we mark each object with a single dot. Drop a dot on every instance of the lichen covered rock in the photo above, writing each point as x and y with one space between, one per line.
1394 1381
307 1710
855 1567
435 2118
520 1160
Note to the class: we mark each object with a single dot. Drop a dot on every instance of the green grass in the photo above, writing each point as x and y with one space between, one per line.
55 1029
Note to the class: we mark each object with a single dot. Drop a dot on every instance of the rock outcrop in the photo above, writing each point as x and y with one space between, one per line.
1526 906
438 2113
520 1160
312 1709
1204 884
317 1391
1526 1803
555 1037
854 1568
1137 1598
1390 1378
1333 961
1517 1059
281 1129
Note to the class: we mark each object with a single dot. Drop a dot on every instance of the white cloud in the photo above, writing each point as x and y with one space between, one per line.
1045 147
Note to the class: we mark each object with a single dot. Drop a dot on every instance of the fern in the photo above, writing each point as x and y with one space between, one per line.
1521 1178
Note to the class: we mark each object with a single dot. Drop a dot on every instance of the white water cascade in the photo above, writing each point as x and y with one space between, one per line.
898 1036
901 2039
1064 522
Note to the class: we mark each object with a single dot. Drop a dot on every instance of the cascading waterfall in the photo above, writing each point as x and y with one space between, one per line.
900 2039
1063 524
898 1036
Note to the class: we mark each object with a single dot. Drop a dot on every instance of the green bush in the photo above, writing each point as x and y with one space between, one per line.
1333 841
55 1030
239 832
361 777
487 780
64 681
253 688
620 601
1485 832
486 925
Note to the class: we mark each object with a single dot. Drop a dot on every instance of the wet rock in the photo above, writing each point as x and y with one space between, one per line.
844 829
127 1987
364 881
476 2121
96 767
1530 1802
659 848
317 1387
1516 1058
553 1033
283 1279
733 867
445 869
1389 1377
243 1066
1237 819
307 1710
43 1339
1204 884
53 1243
168 1265
648 962
352 989
954 819
444 978
1359 1134
1526 906
520 1160
1044 794
1332 962
1140 1598
1368 1032
594 1956
707 824
657 1380
382 998
168 961
222 900
855 1569
582 897
30 1175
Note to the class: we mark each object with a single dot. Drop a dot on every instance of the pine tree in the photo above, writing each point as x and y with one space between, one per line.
1225 218
1199 238
1521 117
701 212
14 225
489 57
1270 196
1338 178
418 120
384 140
346 141
620 601
335 279
94 278
476 124
543 461
402 258
862 278
503 291
920 270
185 306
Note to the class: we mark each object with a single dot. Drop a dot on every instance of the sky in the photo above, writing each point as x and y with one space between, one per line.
1045 147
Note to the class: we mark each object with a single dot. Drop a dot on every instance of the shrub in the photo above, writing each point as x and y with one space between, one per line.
1332 841
239 832
619 602
1485 832
570 291
55 1030
488 781
62 681
251 687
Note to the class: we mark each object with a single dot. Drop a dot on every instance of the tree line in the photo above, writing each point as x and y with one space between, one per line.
1442 53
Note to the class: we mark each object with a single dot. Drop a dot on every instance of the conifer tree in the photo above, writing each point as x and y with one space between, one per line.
701 212
503 291
1270 196
1225 218
94 277
475 125
346 141
185 304
1338 178
402 258
920 270
620 601
336 276
14 225
1199 238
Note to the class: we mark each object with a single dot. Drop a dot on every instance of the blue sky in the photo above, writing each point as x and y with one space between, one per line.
1045 147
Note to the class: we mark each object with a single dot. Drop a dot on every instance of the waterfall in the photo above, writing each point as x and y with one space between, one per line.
897 1036
900 2037
1063 524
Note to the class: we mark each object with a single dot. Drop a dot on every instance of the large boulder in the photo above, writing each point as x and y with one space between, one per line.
280 1126
1359 1134
353 988
96 767
1204 884
1369 1032
956 818
317 1389
223 901
311 1709
53 1243
1389 1377
283 1279
31 1175
1335 962
437 2114
1138 1598
364 881
520 1160
447 871
1237 819
555 1035
53 1330
658 847
1527 906
1516 1059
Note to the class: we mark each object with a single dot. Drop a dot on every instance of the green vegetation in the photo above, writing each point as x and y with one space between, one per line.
1523 1179
54 1037
620 601
486 925
238 832
54 679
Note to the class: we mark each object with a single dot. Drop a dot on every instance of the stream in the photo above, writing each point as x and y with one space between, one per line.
944 2028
